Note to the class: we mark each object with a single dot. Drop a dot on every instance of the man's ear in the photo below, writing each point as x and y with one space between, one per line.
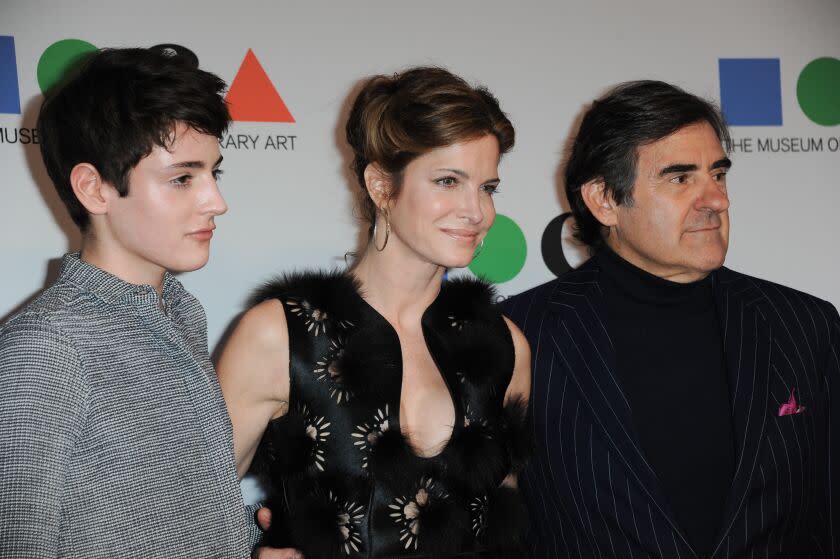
600 202
378 185
89 188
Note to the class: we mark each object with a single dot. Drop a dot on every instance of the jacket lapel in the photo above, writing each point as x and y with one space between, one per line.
581 339
747 346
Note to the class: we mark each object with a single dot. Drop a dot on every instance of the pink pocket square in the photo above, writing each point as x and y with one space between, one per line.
791 407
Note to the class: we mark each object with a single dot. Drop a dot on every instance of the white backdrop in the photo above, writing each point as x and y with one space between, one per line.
291 208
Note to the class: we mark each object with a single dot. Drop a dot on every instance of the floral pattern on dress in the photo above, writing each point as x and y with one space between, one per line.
478 511
314 319
457 323
328 369
471 417
349 519
408 511
316 429
367 434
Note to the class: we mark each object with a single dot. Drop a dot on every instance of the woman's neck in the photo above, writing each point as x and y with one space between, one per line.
397 283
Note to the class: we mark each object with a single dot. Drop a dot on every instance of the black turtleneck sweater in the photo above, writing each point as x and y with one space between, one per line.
671 364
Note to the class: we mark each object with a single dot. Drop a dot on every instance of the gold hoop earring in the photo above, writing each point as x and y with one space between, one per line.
478 250
387 232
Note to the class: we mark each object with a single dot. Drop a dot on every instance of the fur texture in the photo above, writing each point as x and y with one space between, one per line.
476 459
520 439
336 291
507 517
285 448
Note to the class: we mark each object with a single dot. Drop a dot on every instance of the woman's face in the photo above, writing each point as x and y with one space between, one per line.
445 204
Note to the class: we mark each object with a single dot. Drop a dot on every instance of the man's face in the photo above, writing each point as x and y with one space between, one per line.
166 221
677 226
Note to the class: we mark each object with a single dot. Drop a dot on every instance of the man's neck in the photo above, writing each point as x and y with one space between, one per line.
128 267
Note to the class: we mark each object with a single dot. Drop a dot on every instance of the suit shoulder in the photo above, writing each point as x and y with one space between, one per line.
788 303
539 293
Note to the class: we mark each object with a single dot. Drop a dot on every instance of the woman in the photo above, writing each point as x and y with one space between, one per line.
382 404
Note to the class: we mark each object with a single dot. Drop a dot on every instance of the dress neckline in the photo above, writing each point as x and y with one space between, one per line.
426 328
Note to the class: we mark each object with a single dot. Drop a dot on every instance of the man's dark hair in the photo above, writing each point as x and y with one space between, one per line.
627 117
119 104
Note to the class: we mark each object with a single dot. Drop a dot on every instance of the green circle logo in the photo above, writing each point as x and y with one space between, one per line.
58 58
504 252
818 91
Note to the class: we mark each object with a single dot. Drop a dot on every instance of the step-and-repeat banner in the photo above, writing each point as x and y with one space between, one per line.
292 67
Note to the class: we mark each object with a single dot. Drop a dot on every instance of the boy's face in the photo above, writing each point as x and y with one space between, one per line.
166 221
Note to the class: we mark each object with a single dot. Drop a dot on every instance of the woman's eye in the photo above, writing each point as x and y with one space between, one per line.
491 188
447 181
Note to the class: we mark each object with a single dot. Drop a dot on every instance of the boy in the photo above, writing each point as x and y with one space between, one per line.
114 438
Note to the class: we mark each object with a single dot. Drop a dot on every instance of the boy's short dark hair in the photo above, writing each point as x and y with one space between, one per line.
116 107
629 116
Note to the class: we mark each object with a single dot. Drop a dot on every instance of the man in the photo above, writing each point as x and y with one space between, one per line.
114 438
681 409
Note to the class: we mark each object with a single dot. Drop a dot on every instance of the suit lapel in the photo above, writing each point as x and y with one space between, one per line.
747 346
582 341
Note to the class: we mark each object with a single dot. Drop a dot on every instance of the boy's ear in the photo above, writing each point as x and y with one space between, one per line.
89 188
600 202
378 185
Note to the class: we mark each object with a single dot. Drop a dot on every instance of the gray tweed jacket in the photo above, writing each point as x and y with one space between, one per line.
114 437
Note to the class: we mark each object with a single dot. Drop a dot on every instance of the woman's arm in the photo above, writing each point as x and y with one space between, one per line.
519 389
253 372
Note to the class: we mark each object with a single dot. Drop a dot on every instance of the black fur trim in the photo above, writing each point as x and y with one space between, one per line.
336 291
506 524
476 459
284 450
466 299
444 528
483 355
390 460
520 438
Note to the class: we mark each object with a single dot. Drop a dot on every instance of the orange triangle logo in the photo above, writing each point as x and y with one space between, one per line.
253 98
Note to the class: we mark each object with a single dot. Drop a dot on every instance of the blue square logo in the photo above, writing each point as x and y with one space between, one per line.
9 94
751 91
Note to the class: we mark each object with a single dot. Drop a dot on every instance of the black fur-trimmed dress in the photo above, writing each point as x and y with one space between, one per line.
342 479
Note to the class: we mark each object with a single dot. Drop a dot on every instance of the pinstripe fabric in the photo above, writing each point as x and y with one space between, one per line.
114 438
590 490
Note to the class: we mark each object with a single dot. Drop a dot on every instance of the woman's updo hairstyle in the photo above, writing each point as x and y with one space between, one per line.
397 118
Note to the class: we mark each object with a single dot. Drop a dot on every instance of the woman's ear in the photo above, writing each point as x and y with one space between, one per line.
600 202
378 185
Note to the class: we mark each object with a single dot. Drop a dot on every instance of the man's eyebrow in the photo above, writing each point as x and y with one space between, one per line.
678 168
724 163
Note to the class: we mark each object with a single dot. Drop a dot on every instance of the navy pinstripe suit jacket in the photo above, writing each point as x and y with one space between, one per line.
589 488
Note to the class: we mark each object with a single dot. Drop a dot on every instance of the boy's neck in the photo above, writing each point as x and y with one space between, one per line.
131 268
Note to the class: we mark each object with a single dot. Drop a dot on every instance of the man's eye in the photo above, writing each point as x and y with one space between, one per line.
680 179
217 174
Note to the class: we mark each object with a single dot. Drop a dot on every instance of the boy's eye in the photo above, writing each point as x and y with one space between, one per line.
182 181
